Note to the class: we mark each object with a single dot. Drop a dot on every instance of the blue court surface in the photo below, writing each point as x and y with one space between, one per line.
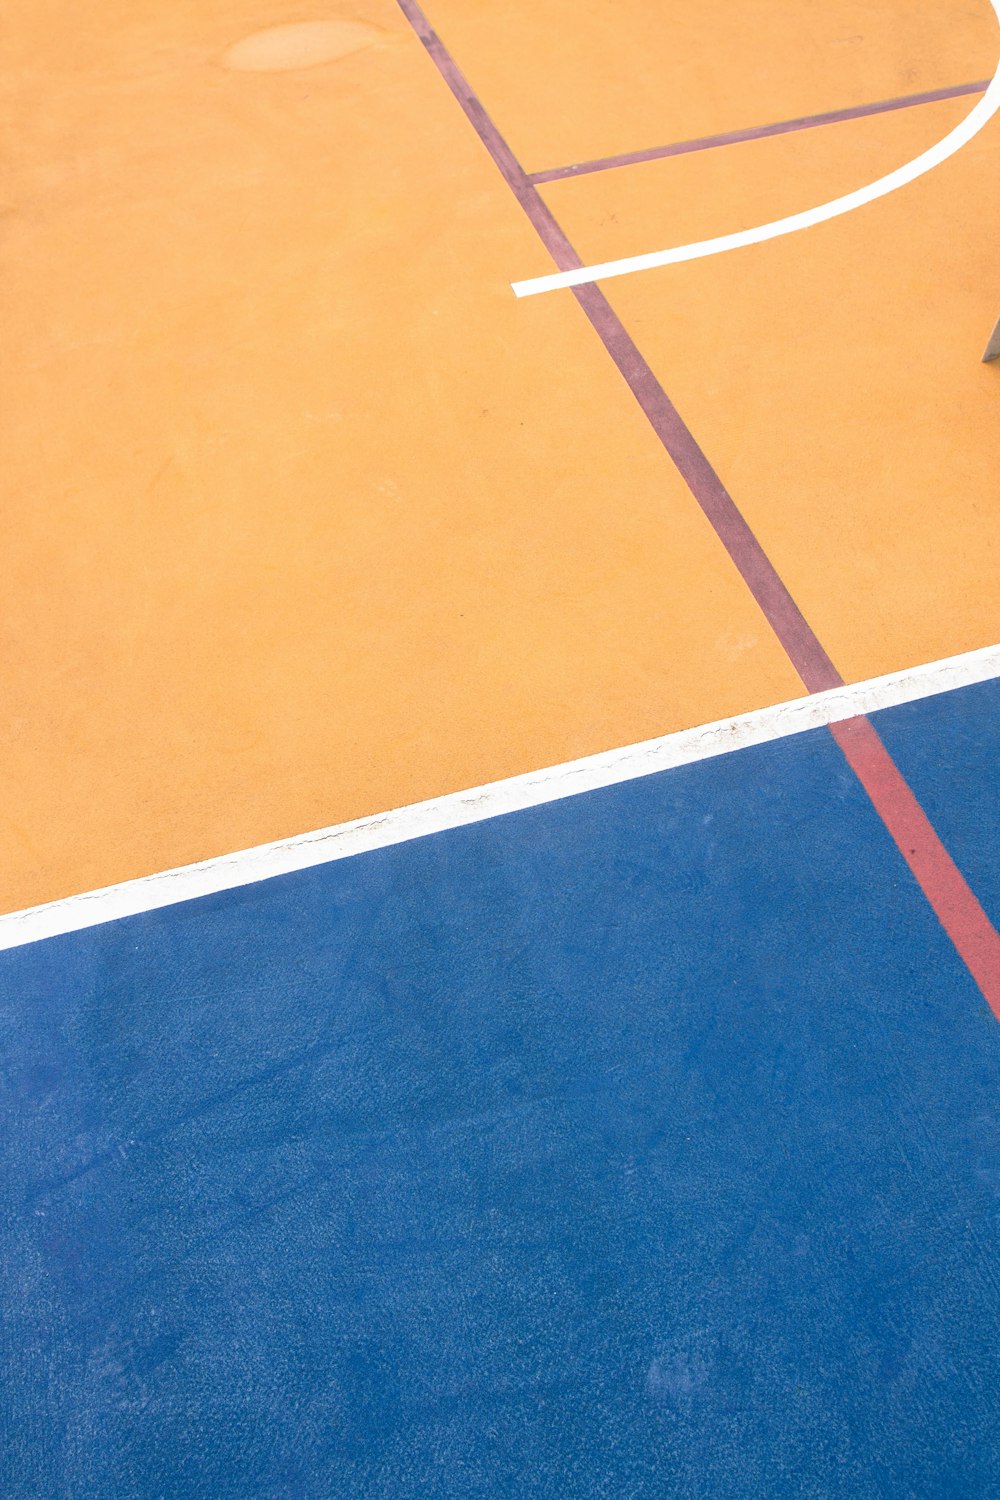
643 1144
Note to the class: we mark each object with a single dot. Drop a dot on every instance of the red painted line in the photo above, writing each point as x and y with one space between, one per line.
959 912
757 132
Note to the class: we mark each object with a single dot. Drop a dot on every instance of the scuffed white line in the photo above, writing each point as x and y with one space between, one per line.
247 866
952 142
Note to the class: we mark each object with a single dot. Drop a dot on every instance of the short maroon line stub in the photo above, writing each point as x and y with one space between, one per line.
755 132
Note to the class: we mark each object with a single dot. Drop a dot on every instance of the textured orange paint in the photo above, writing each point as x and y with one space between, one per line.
307 516
566 82
834 376
681 199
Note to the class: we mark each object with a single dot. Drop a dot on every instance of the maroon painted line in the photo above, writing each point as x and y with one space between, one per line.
513 173
758 572
756 132
796 635
960 914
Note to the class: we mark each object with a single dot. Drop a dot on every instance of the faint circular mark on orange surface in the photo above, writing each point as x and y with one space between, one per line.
304 44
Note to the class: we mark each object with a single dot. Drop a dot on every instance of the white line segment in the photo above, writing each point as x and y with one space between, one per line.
979 116
247 866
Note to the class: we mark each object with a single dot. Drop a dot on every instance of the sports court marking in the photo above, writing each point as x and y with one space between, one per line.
951 898
956 907
973 123
799 640
340 841
757 132
943 885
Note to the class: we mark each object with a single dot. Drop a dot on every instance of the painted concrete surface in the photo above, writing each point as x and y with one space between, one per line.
840 390
310 520
306 520
840 708
623 211
566 83
640 1144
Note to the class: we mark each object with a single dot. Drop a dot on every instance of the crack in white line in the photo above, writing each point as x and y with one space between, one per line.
496 799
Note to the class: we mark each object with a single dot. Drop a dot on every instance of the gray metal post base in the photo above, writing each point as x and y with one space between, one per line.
993 347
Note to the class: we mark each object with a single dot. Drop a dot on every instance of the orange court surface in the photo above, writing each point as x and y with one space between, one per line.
324 508
309 518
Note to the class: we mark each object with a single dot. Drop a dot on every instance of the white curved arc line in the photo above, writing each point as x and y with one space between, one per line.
974 121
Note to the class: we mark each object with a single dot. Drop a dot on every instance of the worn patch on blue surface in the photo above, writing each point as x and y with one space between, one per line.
639 1145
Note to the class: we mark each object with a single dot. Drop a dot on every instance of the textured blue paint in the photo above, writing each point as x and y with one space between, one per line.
642 1145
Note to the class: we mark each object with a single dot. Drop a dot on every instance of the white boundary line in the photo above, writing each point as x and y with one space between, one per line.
498 797
952 142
